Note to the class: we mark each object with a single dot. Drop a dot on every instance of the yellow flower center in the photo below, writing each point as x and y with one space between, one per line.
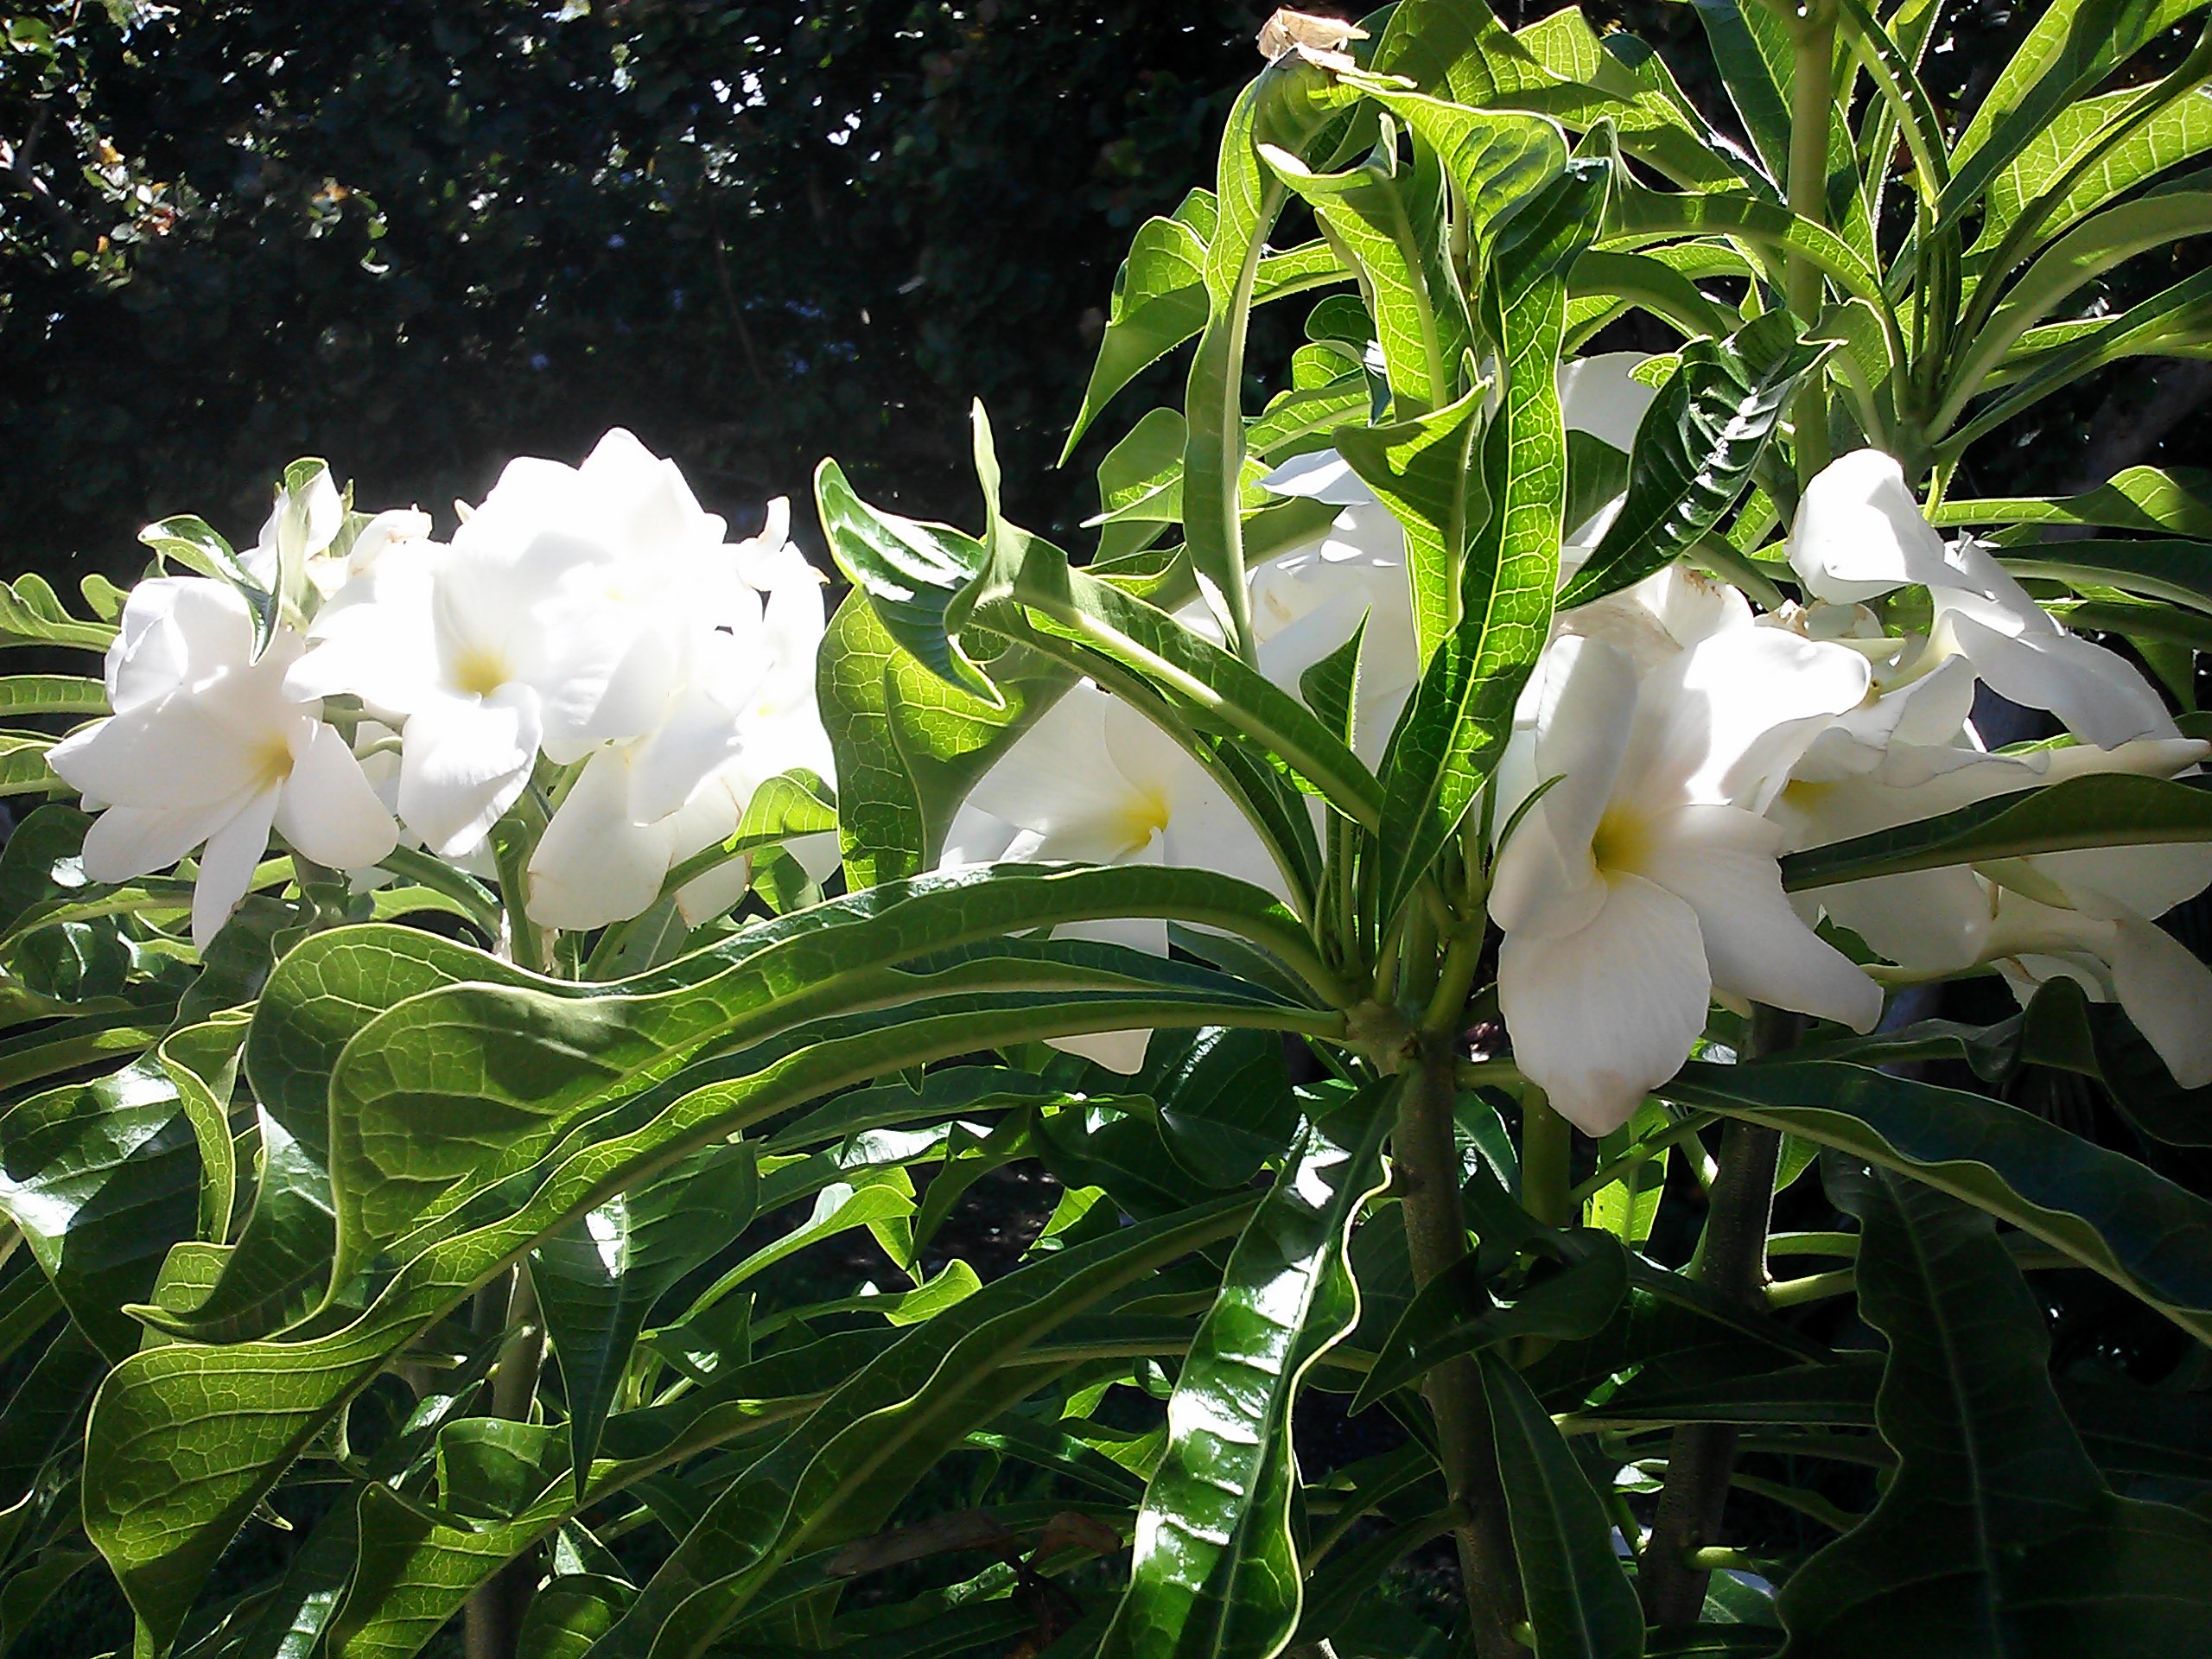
478 670
1145 815
273 760
1622 840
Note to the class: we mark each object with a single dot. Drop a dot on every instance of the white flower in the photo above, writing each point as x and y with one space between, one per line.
300 527
748 713
2089 913
1307 602
566 613
1859 534
1094 781
1645 879
207 746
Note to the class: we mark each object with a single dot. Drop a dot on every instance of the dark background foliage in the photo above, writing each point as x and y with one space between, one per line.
418 237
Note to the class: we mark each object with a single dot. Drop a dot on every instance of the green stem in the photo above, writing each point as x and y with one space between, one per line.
1730 1259
1547 1155
1812 100
492 1617
1427 1174
413 864
1814 1287
514 839
1641 1153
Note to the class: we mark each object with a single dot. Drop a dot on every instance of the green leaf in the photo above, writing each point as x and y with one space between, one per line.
1453 731
2176 322
1695 448
31 614
912 571
24 770
163 1495
1390 220
2074 45
2107 1212
1424 471
841 1474
1997 1530
1287 105
2085 252
50 694
1580 1604
104 1176
2151 145
598 1280
194 543
1216 1570
1159 297
2139 499
27 1591
569 1612
2177 570
1459 1312
908 745
2111 810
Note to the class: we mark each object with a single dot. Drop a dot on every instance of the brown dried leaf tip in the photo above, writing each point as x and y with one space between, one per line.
1319 41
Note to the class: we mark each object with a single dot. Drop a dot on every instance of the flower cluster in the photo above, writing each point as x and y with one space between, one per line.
1672 745
588 633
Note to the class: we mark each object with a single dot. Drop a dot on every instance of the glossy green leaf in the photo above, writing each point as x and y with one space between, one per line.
2152 144
1997 1530
570 1612
31 614
1159 297
840 1475
1460 1312
1695 448
50 694
2085 252
1286 107
1580 1604
1453 731
2110 810
2140 498
2107 1212
162 1518
1216 1571
1389 220
104 1176
597 1280
909 746
2073 45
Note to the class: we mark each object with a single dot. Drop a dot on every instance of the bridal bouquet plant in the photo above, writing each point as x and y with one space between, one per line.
1463 850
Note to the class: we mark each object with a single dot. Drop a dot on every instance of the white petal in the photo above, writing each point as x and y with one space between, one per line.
1600 1017
126 841
592 866
1117 1051
227 865
184 750
1600 395
698 734
2096 694
173 631
1928 922
1725 722
1325 475
1858 532
1585 706
976 837
1722 862
328 812
2167 992
463 762
1059 779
